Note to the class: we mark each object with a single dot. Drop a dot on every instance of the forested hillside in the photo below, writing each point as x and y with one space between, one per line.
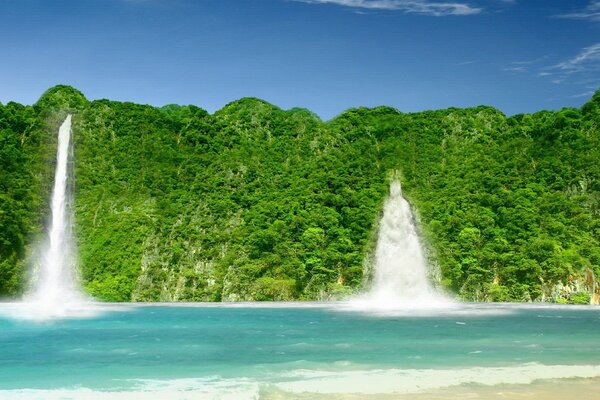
259 203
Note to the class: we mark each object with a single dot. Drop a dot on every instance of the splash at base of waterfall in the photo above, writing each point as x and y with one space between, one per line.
401 275
33 310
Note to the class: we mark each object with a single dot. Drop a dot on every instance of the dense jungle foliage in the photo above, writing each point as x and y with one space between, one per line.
259 203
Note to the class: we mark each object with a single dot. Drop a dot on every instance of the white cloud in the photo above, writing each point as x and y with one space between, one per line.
591 12
523 66
587 57
423 7
530 62
515 69
579 72
589 93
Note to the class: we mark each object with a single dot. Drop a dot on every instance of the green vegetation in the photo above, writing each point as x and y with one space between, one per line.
259 203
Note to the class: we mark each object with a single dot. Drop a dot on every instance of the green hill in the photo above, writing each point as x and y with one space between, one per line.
259 203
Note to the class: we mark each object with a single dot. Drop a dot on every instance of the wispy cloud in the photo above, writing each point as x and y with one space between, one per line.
518 68
524 65
591 12
587 94
422 7
588 57
579 72
530 62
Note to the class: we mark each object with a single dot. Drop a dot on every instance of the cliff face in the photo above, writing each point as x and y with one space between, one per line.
259 203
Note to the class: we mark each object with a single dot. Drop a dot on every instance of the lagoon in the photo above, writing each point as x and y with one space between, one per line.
298 350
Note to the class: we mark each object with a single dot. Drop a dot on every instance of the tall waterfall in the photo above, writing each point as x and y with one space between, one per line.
401 275
56 287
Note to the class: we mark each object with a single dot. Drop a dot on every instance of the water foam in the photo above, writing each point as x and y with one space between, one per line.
329 383
405 381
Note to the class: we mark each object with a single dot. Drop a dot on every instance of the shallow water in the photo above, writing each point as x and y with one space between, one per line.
298 350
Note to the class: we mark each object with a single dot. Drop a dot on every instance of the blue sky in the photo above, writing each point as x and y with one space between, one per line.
325 55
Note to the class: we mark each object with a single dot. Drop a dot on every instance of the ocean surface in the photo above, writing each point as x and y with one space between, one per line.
301 351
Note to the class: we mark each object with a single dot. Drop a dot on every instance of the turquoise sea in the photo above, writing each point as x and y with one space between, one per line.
295 350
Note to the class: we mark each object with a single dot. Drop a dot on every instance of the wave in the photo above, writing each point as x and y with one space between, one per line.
404 381
302 381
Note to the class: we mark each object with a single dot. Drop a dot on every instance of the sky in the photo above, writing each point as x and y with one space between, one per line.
519 56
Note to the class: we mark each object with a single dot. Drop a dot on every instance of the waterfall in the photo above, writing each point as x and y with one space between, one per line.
56 287
401 273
